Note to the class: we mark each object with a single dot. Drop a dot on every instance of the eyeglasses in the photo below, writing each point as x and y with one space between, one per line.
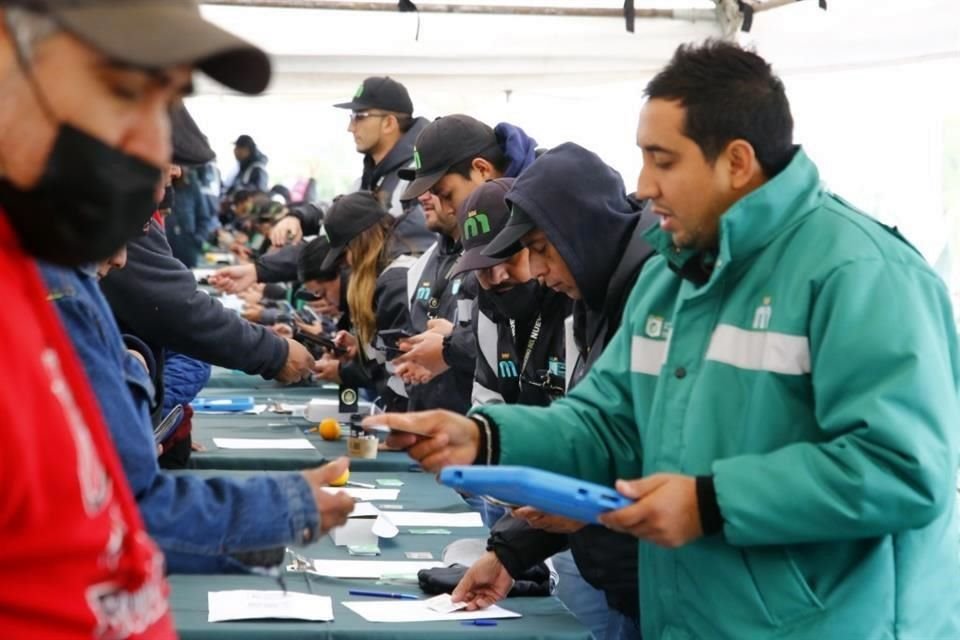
357 116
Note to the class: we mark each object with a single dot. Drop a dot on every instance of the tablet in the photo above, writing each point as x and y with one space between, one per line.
231 404
546 491
382 428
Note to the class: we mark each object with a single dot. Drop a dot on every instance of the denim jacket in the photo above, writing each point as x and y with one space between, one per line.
197 522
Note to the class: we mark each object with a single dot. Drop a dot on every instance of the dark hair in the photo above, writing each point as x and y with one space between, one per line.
404 121
492 154
241 194
729 93
311 257
282 191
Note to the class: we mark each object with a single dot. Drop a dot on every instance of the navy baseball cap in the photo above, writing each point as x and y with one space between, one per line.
481 218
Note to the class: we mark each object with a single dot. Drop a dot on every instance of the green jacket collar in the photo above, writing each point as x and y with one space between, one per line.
751 223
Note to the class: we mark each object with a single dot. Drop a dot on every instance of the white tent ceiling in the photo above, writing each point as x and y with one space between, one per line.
872 85
320 51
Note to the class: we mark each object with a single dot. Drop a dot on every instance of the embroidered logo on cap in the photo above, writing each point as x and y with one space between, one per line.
475 224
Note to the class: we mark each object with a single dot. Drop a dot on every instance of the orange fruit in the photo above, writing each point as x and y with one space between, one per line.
329 429
341 480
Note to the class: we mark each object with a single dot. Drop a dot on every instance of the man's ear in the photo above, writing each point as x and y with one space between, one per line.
743 165
484 168
389 124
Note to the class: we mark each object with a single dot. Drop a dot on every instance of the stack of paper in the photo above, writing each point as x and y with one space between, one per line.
419 611
259 605
263 443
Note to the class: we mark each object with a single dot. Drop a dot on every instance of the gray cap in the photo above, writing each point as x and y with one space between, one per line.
158 34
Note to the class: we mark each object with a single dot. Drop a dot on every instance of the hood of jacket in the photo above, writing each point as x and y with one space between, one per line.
581 205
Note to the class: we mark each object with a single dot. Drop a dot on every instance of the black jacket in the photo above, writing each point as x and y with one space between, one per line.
392 310
251 174
383 180
520 345
156 298
581 205
433 294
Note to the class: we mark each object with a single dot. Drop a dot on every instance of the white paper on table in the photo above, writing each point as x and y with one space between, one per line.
200 273
374 569
364 510
231 302
356 531
263 443
259 605
366 495
430 519
444 603
292 409
383 528
418 611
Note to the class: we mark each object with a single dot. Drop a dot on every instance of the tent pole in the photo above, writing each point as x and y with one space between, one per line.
582 12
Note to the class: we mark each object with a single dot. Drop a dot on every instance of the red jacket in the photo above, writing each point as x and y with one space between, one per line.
75 561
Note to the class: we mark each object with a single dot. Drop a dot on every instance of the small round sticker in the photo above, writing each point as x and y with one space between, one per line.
348 396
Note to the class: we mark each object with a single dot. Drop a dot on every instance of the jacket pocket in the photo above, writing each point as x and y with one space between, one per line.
780 584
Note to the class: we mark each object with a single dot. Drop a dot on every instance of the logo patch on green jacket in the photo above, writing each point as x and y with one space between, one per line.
761 317
657 327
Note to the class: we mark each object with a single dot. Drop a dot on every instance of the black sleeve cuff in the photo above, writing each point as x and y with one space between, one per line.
488 448
711 520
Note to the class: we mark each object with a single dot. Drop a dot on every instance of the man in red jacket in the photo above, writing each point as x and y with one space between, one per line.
84 130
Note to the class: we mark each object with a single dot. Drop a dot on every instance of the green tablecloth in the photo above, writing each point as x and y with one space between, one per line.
542 617
268 425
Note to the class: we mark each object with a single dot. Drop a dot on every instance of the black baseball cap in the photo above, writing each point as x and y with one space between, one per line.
348 217
190 146
380 92
158 34
518 225
482 216
442 144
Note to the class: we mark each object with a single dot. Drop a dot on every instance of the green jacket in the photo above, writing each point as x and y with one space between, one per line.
814 375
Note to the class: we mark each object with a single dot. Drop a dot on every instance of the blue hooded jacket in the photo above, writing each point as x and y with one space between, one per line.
197 522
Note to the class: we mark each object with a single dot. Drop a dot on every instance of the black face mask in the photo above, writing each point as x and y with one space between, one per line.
517 303
89 202
169 197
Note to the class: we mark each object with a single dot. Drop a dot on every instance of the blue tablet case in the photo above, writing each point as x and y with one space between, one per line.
232 404
549 492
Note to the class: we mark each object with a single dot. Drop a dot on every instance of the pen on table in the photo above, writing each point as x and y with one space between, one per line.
479 623
383 594
362 485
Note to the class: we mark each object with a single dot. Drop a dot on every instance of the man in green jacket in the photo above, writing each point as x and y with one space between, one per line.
782 393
